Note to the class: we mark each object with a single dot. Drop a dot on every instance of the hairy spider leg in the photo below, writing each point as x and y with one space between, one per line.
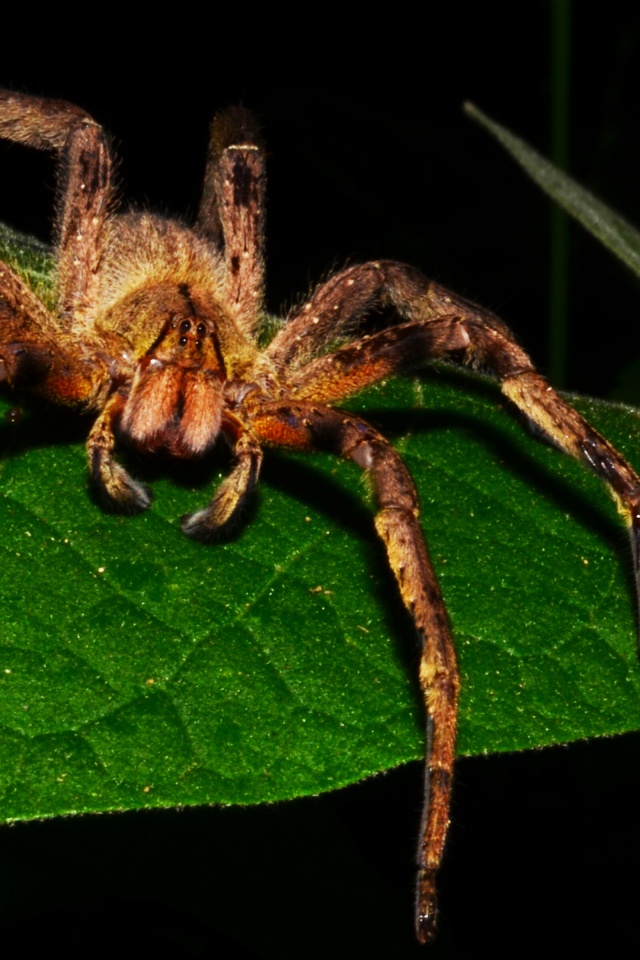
84 195
336 307
440 322
38 348
84 186
232 211
313 426
35 353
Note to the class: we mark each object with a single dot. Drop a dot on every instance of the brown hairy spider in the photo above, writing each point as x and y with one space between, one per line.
155 333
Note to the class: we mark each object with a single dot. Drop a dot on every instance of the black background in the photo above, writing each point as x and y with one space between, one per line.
370 156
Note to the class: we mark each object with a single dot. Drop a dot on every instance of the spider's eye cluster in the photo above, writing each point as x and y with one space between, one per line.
200 332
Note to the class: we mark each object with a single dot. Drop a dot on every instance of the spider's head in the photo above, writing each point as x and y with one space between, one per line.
175 398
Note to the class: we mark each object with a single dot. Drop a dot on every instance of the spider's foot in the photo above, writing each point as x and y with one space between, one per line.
119 492
205 526
220 519
426 906
198 526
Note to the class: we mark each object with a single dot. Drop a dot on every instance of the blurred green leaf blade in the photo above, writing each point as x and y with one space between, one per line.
612 230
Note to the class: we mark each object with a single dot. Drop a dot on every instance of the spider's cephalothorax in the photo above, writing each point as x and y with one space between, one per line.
155 332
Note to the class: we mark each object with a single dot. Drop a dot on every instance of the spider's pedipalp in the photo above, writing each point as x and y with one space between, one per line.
116 489
222 515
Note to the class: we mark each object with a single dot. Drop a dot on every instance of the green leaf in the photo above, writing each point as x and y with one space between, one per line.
30 258
140 669
608 227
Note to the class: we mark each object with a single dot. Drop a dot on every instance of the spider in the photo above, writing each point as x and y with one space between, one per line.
156 334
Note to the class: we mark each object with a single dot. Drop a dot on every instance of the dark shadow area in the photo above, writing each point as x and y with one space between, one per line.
543 850
370 156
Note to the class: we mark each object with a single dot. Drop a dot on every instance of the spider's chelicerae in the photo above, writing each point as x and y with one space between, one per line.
156 334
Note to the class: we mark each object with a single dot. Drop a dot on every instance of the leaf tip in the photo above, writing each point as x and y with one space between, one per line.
475 113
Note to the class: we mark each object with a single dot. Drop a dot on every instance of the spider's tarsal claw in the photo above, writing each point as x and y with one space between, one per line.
426 907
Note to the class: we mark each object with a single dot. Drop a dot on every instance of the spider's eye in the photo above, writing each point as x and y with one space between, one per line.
201 329
185 326
183 341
